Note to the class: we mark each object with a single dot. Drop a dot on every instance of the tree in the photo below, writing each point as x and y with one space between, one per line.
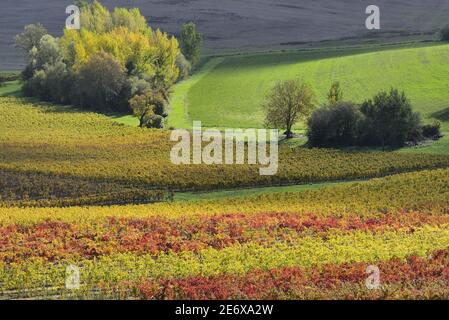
98 19
51 83
433 130
166 50
132 19
335 94
141 108
288 102
149 108
46 75
389 119
100 83
95 17
191 42
184 66
445 33
47 52
335 126
30 37
139 86
151 55
113 57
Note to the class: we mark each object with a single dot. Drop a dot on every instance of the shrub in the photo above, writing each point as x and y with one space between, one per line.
8 76
386 120
184 66
155 121
335 94
432 131
147 106
415 135
99 84
46 75
48 84
389 120
445 33
335 126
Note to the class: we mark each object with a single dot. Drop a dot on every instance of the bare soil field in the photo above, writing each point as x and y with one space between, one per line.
241 25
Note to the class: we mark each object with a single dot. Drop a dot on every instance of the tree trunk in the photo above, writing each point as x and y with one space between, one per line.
288 134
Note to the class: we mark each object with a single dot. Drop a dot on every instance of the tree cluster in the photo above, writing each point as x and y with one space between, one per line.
445 33
114 58
386 120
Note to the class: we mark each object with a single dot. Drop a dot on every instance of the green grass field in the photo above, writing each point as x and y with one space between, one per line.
248 192
440 146
11 88
229 92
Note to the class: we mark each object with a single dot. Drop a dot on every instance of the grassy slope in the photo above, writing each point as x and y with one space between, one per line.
236 86
178 104
250 192
179 116
58 140
438 147
11 88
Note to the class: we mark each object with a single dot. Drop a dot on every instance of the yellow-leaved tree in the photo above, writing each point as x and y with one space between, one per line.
126 36
121 46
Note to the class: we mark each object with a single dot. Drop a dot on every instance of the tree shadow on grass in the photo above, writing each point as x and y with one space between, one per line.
442 115
51 107
10 89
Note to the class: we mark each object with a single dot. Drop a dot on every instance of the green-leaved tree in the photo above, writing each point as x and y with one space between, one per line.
149 108
30 37
390 120
288 102
335 94
191 42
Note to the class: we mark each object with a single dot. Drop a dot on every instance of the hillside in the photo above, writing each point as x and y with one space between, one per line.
244 25
310 245
59 147
236 85
101 198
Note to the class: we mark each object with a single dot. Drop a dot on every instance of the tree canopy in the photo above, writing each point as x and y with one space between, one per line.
335 94
191 42
113 57
288 102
